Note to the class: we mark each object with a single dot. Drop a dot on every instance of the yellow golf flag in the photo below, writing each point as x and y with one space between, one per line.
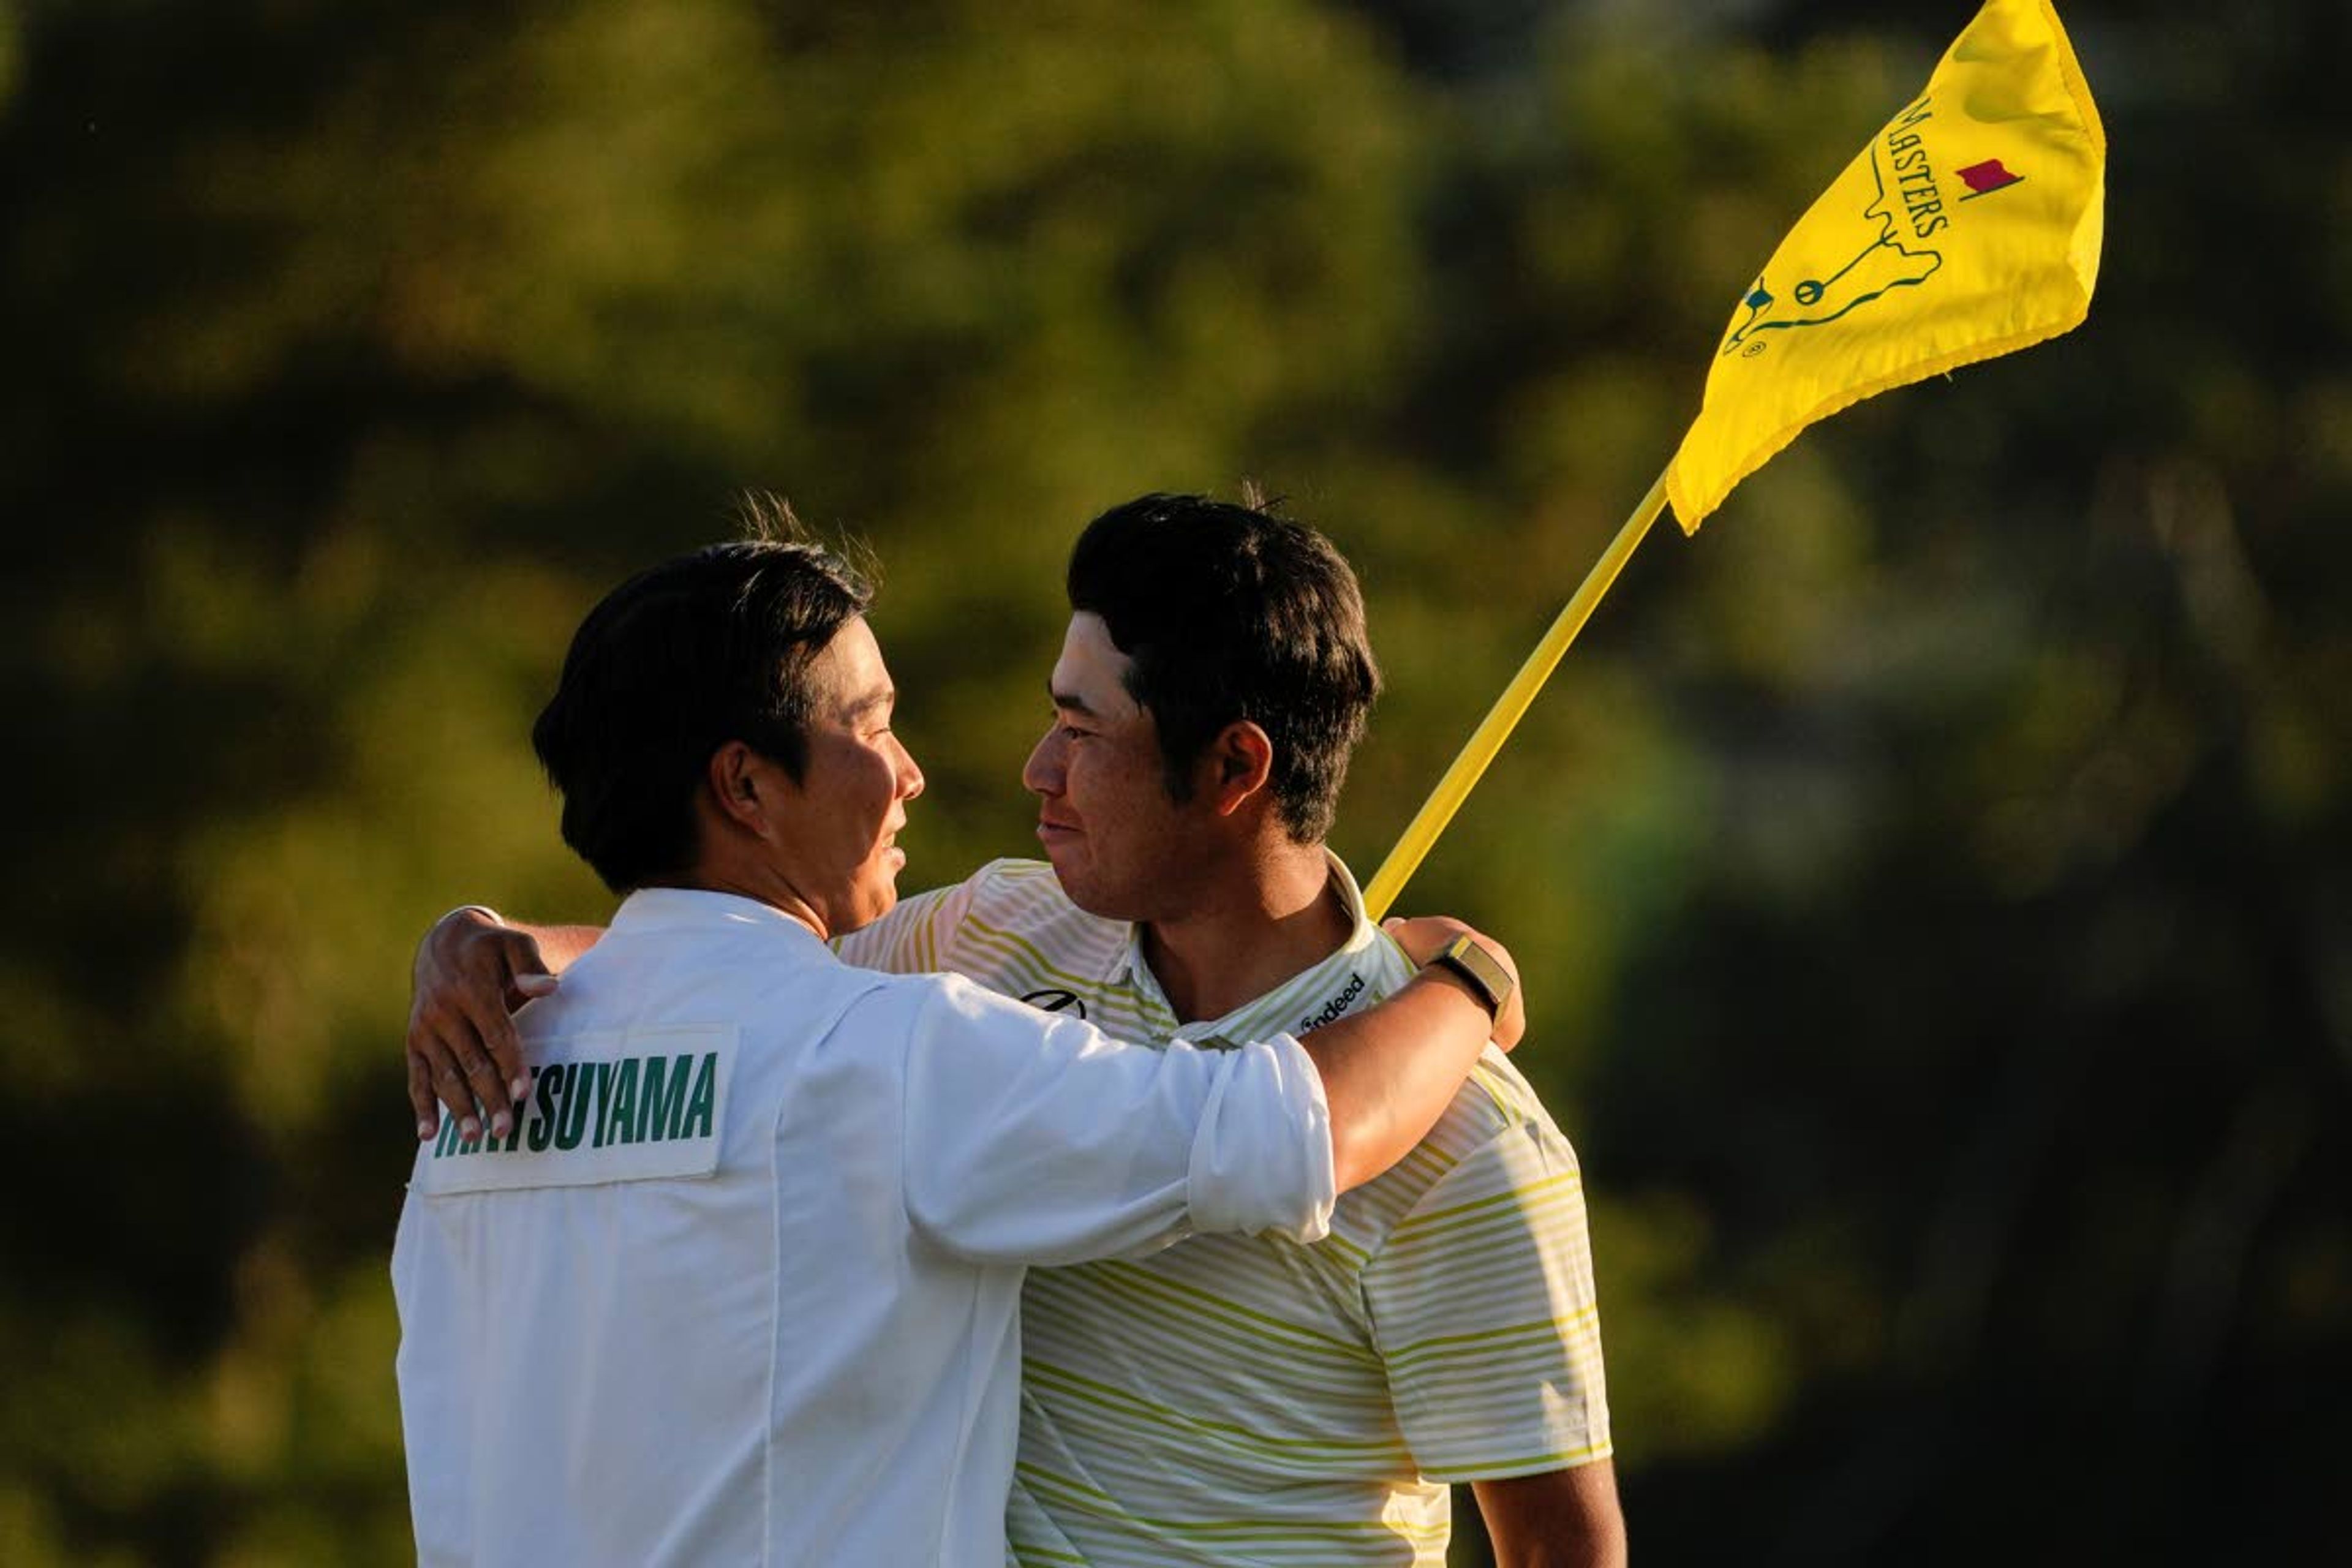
1969 228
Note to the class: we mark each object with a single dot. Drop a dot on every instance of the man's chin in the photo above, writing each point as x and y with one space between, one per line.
1082 887
878 903
1068 871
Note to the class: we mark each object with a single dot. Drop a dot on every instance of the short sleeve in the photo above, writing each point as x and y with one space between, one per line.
1035 1138
1483 1312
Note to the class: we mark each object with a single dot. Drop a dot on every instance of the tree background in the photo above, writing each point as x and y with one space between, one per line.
1934 880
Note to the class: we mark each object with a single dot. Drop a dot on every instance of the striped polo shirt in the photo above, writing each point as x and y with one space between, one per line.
1248 1399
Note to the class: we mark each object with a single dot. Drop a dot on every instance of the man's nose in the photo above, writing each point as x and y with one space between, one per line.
910 776
1042 773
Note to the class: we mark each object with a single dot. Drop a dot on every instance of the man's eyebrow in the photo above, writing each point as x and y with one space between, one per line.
883 696
1070 700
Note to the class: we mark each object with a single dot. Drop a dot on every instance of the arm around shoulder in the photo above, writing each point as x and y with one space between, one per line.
1390 1072
1034 1138
1040 1139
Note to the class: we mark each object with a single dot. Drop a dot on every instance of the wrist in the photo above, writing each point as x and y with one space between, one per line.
1468 966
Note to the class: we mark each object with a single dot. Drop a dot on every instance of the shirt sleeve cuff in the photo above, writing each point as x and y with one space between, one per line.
1262 1158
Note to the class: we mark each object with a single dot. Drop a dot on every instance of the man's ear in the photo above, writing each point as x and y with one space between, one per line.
741 785
1235 767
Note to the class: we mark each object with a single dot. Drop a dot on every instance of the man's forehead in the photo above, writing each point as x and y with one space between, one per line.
1090 673
850 667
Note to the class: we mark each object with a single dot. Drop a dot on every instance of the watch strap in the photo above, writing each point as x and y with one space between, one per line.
1488 980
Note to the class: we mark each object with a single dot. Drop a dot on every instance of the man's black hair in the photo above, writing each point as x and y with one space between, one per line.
674 663
1230 613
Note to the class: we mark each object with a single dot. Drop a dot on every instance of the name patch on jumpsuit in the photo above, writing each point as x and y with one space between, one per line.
624 1107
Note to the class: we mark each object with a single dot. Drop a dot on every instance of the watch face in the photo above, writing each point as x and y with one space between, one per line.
1475 965
1483 962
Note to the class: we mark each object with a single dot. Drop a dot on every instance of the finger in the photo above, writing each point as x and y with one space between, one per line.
420 1098
527 977
522 956
431 1055
450 1088
482 1076
484 1008
453 1051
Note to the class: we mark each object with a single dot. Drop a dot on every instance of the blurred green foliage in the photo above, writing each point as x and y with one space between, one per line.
1936 877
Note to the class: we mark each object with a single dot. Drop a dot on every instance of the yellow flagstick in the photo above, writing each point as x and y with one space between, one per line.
1509 710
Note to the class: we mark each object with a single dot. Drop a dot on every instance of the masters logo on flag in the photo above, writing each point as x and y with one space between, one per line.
1969 227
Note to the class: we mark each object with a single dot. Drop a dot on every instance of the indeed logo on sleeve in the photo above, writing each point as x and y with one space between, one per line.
631 1107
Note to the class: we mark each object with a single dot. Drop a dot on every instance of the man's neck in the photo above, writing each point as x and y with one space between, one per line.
1278 912
715 872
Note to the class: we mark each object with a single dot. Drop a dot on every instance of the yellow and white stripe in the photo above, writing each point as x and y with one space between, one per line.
1248 1400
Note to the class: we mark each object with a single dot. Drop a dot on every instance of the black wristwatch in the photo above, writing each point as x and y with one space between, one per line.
1488 981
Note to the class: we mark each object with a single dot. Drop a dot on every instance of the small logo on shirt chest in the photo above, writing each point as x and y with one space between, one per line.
1336 1006
1052 1000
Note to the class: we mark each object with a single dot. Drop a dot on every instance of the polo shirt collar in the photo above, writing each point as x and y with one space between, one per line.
1348 958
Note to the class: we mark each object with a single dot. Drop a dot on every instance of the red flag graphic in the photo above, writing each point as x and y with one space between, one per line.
1987 177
